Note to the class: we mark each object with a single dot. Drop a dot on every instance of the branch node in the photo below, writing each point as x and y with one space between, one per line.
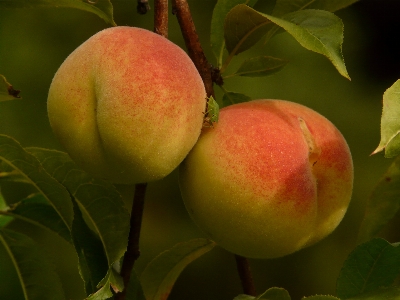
143 7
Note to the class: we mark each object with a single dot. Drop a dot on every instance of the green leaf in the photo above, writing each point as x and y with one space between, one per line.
13 155
36 210
161 273
259 66
101 8
391 293
7 92
244 297
371 265
13 175
98 200
390 125
244 27
93 263
221 9
37 277
320 297
230 98
134 291
274 293
113 280
283 7
316 30
212 114
4 219
383 203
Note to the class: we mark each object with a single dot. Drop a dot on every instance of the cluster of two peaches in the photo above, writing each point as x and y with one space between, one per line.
271 177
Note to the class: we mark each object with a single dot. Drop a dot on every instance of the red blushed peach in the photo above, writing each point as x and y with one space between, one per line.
270 178
127 105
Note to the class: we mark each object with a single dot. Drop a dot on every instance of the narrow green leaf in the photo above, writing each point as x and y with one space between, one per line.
259 66
230 98
320 297
37 277
4 219
390 125
36 210
102 8
383 203
221 9
134 291
98 200
283 7
390 293
371 265
7 92
161 273
93 263
113 280
316 30
13 155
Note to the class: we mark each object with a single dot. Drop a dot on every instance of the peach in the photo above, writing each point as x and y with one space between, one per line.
270 178
127 105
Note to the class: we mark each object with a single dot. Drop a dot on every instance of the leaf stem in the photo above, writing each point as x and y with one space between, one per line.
133 252
246 278
195 51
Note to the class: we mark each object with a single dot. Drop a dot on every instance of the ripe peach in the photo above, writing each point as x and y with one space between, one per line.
270 178
127 105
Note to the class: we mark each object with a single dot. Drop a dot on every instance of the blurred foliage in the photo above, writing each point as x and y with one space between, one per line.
34 42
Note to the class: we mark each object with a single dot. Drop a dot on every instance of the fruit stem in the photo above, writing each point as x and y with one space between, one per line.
161 17
181 9
133 252
246 278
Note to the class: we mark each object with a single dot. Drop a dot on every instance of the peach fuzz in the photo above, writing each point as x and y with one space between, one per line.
127 105
270 178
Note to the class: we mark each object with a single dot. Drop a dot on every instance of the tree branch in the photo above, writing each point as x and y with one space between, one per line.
133 252
209 75
195 51
246 278
161 17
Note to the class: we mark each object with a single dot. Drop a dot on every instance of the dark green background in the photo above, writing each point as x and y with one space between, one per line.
34 42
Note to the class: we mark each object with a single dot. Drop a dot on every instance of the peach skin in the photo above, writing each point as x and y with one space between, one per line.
270 178
127 105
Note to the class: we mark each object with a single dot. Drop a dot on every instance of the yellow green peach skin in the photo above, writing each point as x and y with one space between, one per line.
270 178
127 105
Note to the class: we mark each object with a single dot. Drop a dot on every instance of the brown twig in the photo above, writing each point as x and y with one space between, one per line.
246 278
133 252
161 17
195 51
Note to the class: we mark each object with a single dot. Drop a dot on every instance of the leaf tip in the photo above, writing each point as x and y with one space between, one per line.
377 150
